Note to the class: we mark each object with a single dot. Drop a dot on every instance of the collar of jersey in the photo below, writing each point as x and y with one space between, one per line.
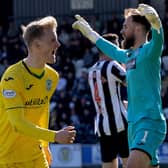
32 73
130 51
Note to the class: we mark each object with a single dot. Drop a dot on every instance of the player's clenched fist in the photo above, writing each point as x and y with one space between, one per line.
66 135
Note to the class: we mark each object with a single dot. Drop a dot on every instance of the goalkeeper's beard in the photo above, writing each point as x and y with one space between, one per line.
128 42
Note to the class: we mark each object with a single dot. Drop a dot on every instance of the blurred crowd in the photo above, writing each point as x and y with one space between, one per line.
72 103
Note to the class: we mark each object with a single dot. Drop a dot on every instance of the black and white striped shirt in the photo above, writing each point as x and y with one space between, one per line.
105 79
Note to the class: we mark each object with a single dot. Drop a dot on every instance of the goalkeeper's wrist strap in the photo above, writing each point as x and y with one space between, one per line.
93 36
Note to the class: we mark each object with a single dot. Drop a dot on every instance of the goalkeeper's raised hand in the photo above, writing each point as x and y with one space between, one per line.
83 26
151 15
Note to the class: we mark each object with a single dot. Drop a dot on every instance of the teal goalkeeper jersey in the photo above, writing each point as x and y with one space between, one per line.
143 76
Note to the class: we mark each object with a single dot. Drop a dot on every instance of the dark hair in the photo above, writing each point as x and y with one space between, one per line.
138 18
143 21
111 37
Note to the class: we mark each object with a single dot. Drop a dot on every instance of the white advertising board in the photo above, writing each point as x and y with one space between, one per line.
66 155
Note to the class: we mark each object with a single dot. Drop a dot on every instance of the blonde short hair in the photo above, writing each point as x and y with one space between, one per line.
35 29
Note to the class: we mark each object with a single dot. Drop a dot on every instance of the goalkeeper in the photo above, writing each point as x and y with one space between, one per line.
147 126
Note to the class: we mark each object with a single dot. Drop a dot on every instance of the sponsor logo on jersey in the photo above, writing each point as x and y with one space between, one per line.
9 93
9 78
48 84
36 101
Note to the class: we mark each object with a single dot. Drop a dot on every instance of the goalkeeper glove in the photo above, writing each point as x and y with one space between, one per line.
82 25
151 15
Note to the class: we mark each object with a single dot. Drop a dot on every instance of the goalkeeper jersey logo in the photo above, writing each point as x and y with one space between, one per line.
131 64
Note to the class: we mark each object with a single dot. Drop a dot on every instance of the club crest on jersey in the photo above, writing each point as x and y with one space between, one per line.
48 84
9 93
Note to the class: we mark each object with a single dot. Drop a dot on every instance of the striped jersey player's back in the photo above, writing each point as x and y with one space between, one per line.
105 79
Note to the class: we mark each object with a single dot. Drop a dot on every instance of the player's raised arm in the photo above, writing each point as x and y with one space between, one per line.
151 15
156 43
105 46
82 25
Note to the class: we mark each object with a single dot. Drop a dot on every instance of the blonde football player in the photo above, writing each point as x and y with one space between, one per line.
26 89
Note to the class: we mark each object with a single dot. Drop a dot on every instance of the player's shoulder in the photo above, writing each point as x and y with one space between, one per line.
116 66
51 71
115 63
13 70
